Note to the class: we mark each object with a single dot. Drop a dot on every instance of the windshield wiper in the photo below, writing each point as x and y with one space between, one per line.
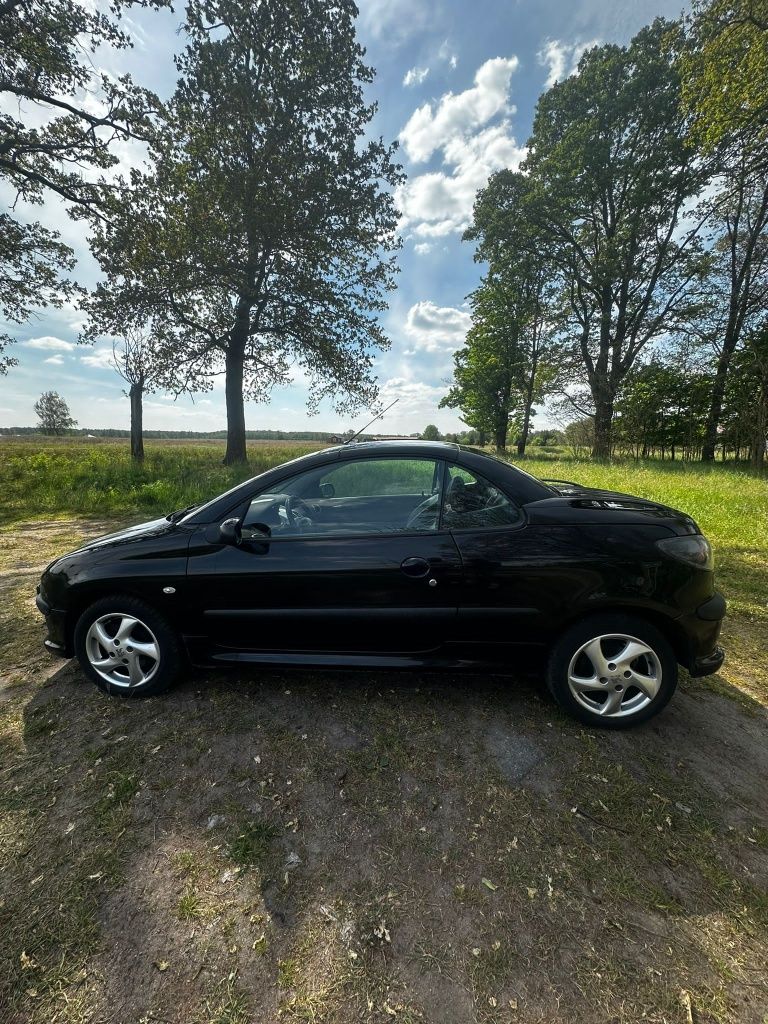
174 517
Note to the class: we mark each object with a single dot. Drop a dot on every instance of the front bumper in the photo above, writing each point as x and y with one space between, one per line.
702 631
55 620
708 663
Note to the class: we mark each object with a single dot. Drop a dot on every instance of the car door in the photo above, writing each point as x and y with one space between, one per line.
500 602
355 563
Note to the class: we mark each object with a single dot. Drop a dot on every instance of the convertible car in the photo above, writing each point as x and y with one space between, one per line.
401 554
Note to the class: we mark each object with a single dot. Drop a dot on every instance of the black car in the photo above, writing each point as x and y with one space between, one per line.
397 554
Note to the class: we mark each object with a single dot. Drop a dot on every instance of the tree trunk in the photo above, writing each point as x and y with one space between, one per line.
716 400
500 431
233 390
603 419
760 429
523 441
136 395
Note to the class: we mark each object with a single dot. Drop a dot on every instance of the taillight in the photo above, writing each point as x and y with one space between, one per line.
693 550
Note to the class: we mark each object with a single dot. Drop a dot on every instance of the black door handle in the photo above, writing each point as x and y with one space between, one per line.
415 567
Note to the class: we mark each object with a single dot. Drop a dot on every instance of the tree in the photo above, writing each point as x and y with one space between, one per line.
45 61
745 407
611 169
430 433
485 369
518 296
724 68
53 413
264 235
662 408
738 280
141 366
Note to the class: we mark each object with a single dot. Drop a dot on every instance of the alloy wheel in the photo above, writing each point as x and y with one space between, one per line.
122 649
614 675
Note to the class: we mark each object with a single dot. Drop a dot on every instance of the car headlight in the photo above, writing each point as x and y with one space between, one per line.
693 550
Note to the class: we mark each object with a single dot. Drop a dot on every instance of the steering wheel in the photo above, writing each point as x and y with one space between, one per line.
298 511
430 521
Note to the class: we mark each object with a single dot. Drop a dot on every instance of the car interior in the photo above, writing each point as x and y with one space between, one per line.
381 496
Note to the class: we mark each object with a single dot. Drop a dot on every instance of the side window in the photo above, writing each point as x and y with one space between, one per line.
353 496
471 502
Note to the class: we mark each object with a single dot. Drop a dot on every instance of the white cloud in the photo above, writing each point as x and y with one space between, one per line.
436 204
422 248
393 21
445 53
439 202
55 360
415 76
436 328
430 128
50 344
562 59
100 359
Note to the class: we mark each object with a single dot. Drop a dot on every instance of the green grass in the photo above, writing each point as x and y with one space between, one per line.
45 480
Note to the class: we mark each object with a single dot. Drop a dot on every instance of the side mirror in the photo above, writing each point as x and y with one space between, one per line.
327 490
230 532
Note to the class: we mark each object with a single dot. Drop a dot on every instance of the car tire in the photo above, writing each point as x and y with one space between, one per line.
612 671
127 648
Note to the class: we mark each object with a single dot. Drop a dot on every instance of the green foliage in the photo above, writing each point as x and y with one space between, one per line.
46 49
53 413
663 408
725 74
511 358
31 261
430 433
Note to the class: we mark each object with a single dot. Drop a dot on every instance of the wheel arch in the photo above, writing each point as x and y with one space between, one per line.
83 597
670 628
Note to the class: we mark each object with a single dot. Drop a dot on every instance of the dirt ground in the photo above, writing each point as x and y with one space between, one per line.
367 847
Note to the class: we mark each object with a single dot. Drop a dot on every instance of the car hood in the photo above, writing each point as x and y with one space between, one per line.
154 528
594 504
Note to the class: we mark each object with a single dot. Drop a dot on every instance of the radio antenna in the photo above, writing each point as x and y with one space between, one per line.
378 416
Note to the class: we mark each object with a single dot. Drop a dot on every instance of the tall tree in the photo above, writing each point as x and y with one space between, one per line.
50 132
745 406
53 413
486 375
725 93
519 295
610 172
738 279
265 235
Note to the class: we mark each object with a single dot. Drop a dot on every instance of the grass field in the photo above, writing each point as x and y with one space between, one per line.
366 847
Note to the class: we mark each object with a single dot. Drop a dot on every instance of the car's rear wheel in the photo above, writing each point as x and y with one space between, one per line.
613 671
126 647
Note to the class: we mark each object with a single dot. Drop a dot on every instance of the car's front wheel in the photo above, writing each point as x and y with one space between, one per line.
613 671
126 647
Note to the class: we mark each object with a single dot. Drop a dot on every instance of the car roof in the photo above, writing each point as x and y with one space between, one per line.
397 446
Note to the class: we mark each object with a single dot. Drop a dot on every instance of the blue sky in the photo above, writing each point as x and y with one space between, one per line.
457 84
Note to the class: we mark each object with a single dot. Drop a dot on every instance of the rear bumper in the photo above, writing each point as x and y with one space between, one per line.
55 621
